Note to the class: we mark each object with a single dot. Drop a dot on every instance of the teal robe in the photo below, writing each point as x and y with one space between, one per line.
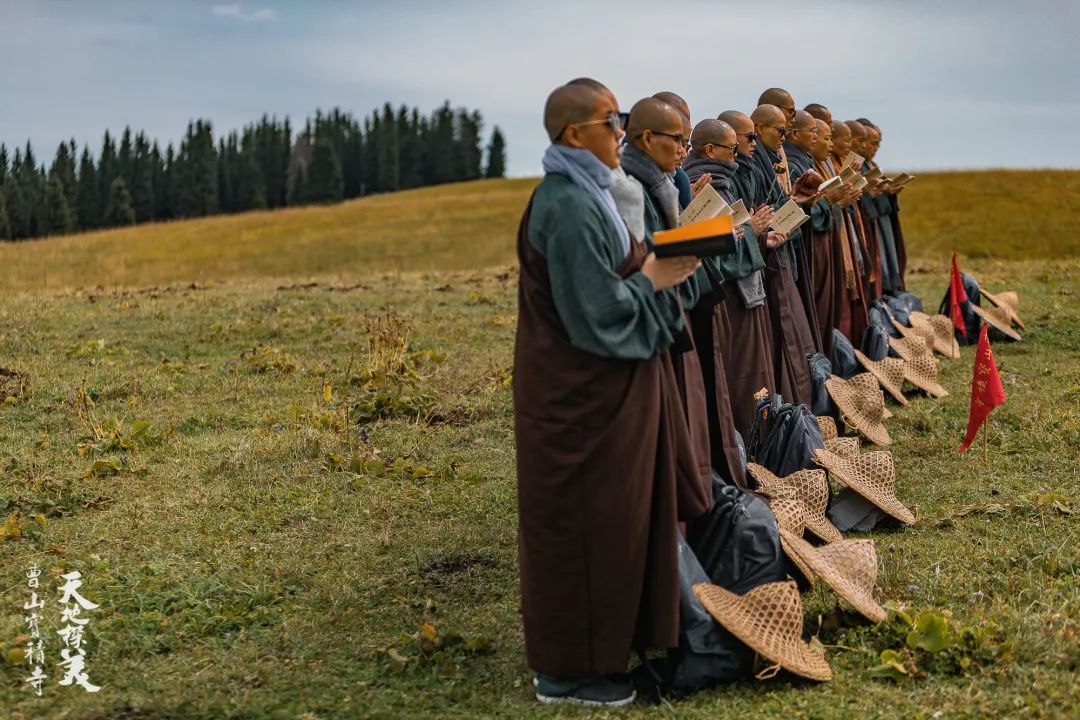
604 314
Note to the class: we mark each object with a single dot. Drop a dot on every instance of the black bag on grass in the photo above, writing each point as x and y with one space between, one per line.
784 436
843 358
971 320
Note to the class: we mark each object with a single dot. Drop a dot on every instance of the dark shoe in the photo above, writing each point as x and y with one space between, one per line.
605 691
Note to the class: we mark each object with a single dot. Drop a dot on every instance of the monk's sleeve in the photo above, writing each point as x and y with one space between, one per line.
603 313
821 216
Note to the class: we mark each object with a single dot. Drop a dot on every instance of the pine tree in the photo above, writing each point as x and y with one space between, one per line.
18 213
439 147
32 189
142 180
57 215
118 211
467 155
5 224
63 167
164 194
496 154
389 177
107 171
3 163
250 188
125 158
324 180
87 209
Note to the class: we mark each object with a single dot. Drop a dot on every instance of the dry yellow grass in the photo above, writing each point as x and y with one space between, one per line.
1004 214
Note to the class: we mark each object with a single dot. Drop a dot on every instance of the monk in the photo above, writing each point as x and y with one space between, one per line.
713 147
867 214
820 112
852 313
817 234
893 252
793 337
832 263
601 437
749 353
656 147
686 192
781 99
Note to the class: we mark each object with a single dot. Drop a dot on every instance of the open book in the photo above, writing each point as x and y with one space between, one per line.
853 159
706 205
829 184
788 217
872 174
900 180
739 214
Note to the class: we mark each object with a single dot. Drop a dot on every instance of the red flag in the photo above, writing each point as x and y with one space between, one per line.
956 296
986 390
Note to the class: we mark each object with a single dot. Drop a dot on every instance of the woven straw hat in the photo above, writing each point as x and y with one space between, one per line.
769 619
889 372
1008 300
910 347
791 519
809 487
848 567
843 446
922 373
861 405
944 333
915 330
997 318
827 426
872 475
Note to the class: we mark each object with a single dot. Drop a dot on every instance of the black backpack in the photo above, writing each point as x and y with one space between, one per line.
901 304
736 545
875 341
971 320
879 314
784 436
844 363
820 371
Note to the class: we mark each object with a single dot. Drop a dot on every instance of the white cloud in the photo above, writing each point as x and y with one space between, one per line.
237 11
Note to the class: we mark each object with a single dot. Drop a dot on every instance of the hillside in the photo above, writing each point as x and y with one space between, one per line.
1005 214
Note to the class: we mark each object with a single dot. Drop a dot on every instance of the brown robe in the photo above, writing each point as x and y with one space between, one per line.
826 256
712 339
793 338
605 473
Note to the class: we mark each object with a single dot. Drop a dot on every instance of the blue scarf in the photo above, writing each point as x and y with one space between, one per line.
594 177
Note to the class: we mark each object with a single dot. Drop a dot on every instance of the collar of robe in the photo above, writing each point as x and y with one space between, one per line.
721 171
658 184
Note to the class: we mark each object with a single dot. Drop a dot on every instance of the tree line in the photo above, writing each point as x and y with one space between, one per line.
334 157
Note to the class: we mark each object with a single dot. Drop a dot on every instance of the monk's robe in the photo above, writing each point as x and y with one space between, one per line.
872 280
662 213
713 330
851 297
799 163
603 451
898 238
879 210
792 337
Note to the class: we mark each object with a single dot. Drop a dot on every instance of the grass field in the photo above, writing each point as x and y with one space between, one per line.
308 492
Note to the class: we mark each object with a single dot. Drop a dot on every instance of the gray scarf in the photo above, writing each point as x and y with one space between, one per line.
630 201
659 185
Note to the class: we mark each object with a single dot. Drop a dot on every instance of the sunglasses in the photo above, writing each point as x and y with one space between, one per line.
732 148
679 139
782 129
750 136
613 120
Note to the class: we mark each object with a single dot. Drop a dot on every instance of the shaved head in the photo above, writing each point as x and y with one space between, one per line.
779 97
595 85
839 130
866 123
769 115
803 120
857 130
675 101
652 114
715 132
569 104
740 121
824 141
819 111
841 138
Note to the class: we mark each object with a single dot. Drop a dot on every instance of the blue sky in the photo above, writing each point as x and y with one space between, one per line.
953 84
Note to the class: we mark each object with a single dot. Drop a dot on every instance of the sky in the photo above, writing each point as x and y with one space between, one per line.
957 84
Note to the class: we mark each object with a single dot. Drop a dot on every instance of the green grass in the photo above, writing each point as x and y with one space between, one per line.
248 568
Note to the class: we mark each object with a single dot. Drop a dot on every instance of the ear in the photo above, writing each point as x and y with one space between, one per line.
570 137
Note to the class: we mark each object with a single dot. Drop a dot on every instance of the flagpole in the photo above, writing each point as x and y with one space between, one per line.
985 432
